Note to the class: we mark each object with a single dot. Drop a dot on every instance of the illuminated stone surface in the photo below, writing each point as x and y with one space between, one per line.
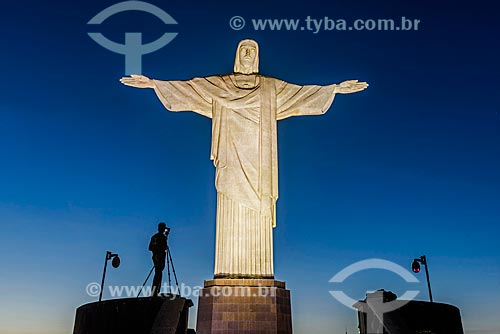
245 107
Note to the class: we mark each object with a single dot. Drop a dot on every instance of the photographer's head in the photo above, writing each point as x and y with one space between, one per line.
162 227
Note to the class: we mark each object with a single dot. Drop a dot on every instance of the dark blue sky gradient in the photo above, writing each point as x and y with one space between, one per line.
410 166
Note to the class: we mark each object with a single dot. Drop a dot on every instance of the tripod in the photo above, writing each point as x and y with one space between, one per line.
170 262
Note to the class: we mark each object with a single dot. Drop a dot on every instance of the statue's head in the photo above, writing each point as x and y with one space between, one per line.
247 57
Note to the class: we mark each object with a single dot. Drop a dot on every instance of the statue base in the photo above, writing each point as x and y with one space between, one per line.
244 306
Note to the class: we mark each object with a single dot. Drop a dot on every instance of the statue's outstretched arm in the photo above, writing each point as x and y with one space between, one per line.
138 81
350 86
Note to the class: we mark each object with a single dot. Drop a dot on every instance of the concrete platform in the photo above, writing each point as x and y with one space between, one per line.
148 315
380 312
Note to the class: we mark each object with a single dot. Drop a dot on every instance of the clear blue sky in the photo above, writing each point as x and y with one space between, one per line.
410 166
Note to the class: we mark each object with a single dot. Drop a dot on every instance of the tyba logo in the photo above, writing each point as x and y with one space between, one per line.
133 49
375 307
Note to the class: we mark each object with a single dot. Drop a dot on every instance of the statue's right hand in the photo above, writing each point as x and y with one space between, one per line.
138 81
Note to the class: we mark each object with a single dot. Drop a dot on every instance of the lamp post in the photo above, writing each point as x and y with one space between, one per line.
115 263
415 266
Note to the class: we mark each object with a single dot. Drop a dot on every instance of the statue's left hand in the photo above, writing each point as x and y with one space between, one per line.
350 86
138 81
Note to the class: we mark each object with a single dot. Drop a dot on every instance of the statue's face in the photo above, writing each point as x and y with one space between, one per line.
247 54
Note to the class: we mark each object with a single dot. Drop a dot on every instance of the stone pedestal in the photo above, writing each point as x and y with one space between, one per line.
244 306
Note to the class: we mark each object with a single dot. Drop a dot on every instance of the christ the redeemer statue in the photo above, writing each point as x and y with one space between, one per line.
244 107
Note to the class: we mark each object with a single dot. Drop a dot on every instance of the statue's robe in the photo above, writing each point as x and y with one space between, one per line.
244 151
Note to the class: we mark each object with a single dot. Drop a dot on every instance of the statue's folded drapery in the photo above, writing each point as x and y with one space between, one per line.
244 151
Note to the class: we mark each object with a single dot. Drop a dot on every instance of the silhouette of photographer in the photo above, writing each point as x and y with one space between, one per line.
158 246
